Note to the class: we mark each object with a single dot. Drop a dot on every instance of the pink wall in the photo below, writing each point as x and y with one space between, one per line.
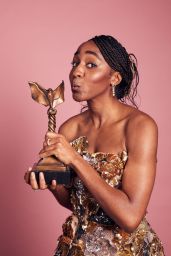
38 39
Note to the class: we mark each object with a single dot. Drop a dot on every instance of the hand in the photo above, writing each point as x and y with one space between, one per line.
31 179
57 145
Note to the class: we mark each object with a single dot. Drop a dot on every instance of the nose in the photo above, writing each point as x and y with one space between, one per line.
78 71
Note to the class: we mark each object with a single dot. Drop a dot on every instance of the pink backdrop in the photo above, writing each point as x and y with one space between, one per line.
38 39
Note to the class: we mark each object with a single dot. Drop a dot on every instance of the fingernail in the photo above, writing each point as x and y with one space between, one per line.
41 174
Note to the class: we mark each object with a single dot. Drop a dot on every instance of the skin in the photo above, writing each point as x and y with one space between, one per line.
110 126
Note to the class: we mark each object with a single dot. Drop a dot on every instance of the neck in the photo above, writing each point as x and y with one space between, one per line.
103 112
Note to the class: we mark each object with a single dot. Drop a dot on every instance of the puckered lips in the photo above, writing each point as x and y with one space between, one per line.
75 86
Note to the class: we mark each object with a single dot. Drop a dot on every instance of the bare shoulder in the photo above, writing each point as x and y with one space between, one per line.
71 126
139 118
141 128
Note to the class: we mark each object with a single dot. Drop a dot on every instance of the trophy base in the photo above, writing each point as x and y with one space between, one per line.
53 170
62 177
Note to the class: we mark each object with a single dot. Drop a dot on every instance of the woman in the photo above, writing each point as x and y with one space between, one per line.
112 147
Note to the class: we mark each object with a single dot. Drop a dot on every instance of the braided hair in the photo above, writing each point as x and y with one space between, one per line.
119 60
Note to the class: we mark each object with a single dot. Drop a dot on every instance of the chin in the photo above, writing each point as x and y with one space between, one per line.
78 98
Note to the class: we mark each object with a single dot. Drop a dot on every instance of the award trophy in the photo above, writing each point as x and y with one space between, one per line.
51 167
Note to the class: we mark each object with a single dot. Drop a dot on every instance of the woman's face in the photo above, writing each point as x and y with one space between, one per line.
90 75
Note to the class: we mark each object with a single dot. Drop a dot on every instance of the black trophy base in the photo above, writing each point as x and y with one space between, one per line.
53 170
62 177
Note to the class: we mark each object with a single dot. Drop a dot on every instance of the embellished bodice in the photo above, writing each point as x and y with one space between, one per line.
89 231
110 167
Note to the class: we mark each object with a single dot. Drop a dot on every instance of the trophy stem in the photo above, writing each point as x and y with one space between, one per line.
52 119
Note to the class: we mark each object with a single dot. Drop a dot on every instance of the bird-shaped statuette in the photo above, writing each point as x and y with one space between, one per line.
49 98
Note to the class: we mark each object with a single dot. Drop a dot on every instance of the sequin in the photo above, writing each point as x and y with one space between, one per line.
89 231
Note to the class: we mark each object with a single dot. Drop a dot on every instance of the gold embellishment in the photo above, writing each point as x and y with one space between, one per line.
89 231
80 144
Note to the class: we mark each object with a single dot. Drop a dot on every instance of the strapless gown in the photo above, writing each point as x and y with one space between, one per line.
89 231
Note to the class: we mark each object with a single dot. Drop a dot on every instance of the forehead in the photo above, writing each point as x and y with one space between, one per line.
89 47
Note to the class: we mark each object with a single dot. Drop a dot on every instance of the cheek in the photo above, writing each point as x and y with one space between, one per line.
99 76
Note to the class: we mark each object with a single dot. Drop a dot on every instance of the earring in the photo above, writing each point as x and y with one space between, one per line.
113 90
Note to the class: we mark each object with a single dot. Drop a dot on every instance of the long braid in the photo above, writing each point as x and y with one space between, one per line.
119 60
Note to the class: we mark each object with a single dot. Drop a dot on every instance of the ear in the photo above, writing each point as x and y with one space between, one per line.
115 78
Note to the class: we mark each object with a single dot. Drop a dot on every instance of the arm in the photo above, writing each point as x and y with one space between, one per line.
127 206
61 194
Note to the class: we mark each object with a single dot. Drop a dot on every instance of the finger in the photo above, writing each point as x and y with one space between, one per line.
42 182
50 135
53 135
44 153
53 141
27 175
47 148
48 141
53 185
33 181
47 144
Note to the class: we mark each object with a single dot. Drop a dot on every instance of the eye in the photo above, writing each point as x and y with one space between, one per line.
91 65
74 63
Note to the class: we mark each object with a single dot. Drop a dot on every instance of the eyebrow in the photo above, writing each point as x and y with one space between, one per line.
88 52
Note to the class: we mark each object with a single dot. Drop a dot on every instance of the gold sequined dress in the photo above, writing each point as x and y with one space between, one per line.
89 231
